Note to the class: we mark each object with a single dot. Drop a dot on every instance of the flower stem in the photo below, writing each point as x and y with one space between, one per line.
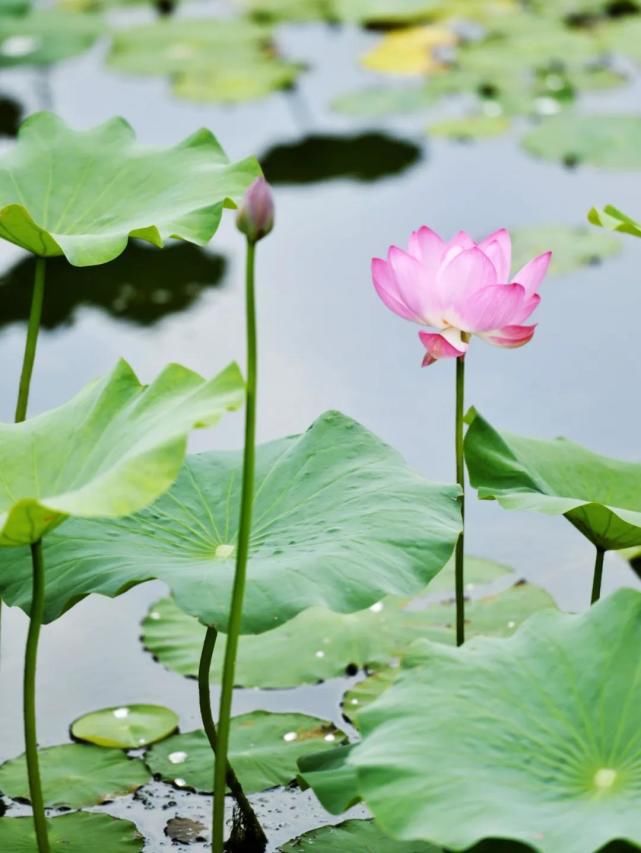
32 340
250 833
30 349
598 575
459 581
29 698
238 591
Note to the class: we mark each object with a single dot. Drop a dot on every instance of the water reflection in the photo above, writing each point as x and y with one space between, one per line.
10 116
142 286
321 157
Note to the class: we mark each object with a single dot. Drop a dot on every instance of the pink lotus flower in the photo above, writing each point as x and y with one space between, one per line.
461 288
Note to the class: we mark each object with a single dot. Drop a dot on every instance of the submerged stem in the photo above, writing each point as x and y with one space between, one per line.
29 698
598 575
250 833
459 570
31 341
238 591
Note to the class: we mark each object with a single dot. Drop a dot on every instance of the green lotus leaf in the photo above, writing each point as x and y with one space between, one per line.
82 194
46 36
73 833
600 496
76 775
207 60
608 141
470 127
126 726
331 504
377 101
560 771
14 7
615 220
393 12
357 836
365 692
572 247
109 451
331 777
263 750
328 644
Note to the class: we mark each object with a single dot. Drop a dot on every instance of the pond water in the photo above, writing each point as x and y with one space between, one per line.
344 191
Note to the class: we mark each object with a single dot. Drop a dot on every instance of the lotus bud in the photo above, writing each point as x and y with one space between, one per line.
255 216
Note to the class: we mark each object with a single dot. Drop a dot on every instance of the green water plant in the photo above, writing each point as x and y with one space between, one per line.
109 451
560 770
600 496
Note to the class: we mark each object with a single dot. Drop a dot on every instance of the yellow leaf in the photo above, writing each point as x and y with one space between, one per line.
410 51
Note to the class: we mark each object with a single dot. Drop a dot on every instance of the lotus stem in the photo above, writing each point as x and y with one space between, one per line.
459 570
250 833
30 348
238 591
29 698
32 340
598 575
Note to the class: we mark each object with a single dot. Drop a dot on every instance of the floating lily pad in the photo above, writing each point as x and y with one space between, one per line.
560 771
142 286
363 157
109 451
378 101
412 51
607 141
126 726
263 751
572 247
615 220
392 12
112 190
367 691
470 127
600 496
329 645
357 836
73 833
333 503
46 36
75 775
206 60
332 778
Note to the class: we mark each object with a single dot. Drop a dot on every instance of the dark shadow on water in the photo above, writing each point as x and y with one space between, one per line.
10 116
142 286
319 157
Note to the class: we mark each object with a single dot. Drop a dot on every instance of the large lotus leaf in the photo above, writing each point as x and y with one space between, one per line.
46 36
411 51
75 775
340 521
126 726
72 833
141 286
615 220
207 60
111 450
82 194
357 836
392 12
599 495
263 750
318 644
572 247
535 738
608 141
14 7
